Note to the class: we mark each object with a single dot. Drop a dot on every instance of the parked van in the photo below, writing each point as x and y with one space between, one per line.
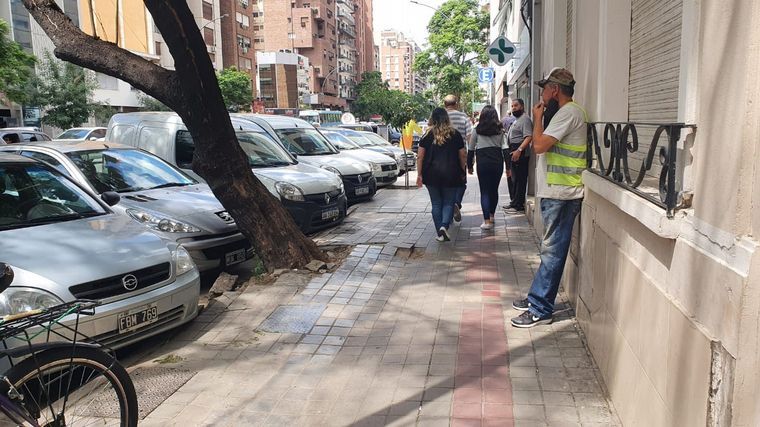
314 197
301 139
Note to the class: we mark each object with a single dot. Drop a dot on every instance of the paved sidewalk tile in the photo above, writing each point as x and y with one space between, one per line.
400 339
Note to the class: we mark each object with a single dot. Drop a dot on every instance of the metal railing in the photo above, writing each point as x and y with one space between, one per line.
617 155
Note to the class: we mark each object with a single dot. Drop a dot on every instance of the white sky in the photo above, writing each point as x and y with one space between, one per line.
401 15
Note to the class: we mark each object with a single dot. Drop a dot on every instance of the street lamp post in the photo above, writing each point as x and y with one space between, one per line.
214 20
430 7
322 86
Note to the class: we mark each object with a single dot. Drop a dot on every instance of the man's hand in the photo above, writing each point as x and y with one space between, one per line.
419 181
516 155
538 112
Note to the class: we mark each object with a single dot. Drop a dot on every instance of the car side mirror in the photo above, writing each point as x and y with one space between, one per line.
110 197
92 138
295 156
6 276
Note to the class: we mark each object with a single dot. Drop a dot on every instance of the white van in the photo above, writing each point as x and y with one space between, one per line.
304 141
314 197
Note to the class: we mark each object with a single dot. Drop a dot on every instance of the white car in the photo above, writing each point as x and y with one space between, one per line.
301 139
387 163
314 197
82 134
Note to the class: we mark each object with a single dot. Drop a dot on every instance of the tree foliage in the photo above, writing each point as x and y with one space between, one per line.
149 103
236 89
15 66
458 39
64 92
396 107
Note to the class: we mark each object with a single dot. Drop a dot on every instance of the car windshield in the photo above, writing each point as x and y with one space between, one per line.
127 170
358 139
305 142
32 194
74 134
341 142
262 151
376 139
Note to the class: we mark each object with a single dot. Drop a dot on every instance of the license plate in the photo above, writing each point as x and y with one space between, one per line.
234 257
330 213
138 318
362 191
410 162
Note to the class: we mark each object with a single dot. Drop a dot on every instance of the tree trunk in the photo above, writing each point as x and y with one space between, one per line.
193 92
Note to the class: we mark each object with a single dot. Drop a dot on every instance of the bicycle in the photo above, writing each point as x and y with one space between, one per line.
62 377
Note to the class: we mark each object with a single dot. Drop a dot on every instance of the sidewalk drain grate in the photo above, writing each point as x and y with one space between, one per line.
295 319
156 384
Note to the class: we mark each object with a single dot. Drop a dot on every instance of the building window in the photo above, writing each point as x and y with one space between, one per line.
244 3
107 82
208 11
208 36
158 48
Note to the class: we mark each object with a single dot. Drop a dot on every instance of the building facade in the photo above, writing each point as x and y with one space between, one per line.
283 79
664 268
396 59
238 37
348 40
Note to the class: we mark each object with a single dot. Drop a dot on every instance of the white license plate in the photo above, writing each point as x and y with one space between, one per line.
234 257
138 318
362 191
330 213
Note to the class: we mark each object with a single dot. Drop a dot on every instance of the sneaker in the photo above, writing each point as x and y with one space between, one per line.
529 320
507 206
486 226
514 210
521 304
440 235
457 213
444 233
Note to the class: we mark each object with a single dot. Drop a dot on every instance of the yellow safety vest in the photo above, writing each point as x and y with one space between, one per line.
566 162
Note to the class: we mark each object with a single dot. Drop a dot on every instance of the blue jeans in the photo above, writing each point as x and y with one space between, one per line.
489 176
442 199
559 217
460 194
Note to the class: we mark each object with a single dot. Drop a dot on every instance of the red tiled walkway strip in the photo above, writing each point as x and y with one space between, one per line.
482 390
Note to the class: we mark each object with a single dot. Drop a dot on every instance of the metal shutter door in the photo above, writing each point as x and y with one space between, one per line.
654 71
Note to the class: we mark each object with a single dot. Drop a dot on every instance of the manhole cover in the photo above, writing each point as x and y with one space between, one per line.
296 319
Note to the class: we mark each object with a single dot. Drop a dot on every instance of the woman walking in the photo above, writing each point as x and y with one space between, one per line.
486 145
441 160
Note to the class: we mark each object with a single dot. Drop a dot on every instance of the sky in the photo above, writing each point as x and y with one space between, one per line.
409 18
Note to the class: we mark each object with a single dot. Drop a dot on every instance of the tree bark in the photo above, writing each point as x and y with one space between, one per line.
193 92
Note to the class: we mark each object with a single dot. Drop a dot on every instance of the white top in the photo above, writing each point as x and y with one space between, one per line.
569 127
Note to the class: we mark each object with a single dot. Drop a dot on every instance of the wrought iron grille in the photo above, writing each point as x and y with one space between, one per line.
617 158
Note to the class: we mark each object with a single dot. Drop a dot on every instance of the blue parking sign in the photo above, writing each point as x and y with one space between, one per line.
485 74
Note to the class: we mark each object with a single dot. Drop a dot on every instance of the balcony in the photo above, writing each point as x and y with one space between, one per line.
346 16
626 148
347 30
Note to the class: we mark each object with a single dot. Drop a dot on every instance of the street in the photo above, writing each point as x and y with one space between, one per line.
407 331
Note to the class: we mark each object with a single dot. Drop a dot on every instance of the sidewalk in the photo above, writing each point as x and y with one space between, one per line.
390 338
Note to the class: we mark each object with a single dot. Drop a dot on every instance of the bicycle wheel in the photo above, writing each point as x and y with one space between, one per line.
75 387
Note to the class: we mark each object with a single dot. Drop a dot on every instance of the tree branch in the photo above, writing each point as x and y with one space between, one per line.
77 47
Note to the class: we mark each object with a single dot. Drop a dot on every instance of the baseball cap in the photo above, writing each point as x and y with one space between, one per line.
558 75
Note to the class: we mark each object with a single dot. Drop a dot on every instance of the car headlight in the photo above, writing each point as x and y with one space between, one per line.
183 262
332 169
376 168
341 187
289 191
19 300
161 223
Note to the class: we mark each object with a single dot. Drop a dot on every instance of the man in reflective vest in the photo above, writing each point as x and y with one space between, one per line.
561 150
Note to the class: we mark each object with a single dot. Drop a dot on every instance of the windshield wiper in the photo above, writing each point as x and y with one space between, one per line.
170 184
61 218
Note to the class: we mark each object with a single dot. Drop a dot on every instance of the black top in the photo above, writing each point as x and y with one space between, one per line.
441 165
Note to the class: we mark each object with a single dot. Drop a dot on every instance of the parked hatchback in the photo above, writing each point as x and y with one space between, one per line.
408 160
388 165
314 197
17 135
82 134
153 193
64 244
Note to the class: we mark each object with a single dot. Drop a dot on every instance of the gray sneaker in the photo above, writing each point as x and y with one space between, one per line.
529 320
457 213
521 304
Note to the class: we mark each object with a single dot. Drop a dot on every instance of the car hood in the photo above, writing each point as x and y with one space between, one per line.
345 164
195 204
73 252
369 155
310 179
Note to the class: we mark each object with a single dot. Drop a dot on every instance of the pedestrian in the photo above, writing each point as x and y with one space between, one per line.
461 122
561 151
519 138
485 147
441 161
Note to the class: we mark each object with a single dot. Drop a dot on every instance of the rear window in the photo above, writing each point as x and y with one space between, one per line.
73 134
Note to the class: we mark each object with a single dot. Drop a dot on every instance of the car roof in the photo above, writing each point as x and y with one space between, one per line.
84 128
342 131
69 147
15 158
278 122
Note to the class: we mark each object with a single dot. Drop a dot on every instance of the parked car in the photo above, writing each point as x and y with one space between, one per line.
64 243
314 197
152 192
387 164
394 135
356 126
408 160
17 135
300 138
82 134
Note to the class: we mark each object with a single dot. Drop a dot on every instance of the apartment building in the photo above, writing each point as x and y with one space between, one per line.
365 40
283 79
396 59
238 35
347 47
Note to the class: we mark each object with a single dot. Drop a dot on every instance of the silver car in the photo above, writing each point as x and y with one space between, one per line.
65 244
407 159
153 193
